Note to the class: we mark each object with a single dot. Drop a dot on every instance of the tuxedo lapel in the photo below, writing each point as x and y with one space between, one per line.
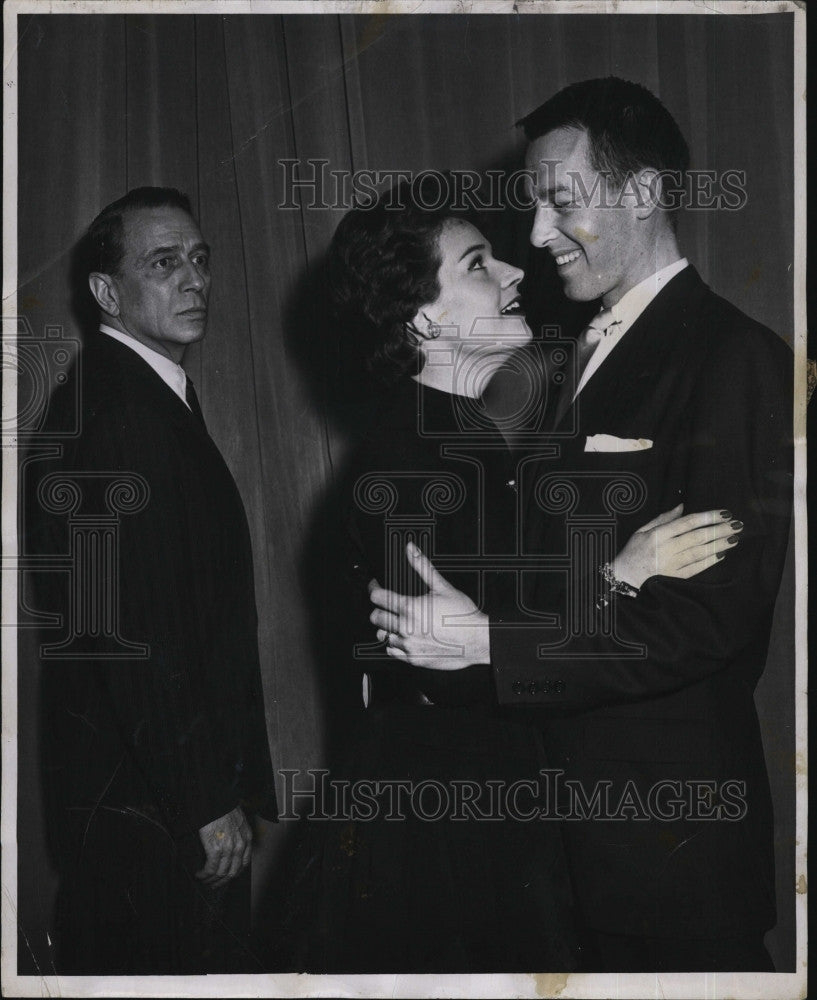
619 387
633 367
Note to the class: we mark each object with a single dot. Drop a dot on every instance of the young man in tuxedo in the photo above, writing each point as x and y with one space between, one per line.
646 696
155 740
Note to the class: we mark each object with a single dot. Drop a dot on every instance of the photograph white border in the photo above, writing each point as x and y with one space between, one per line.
755 986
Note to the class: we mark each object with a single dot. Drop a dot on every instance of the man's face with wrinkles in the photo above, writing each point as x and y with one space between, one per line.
163 282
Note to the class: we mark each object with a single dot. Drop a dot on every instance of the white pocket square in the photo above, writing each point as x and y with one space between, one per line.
609 442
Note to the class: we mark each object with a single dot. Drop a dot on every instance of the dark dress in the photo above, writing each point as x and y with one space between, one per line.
439 887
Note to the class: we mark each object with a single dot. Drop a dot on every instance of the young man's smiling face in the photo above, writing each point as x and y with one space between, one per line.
589 225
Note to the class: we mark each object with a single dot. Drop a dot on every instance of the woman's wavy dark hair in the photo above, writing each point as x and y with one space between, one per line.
382 267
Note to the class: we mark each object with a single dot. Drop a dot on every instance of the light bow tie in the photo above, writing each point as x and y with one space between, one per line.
602 324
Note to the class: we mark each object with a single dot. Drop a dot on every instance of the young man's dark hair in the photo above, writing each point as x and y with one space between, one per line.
627 127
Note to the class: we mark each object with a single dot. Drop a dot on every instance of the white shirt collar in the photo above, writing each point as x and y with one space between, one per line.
169 372
630 306
625 312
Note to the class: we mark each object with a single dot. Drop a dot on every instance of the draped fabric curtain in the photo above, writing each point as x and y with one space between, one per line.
215 104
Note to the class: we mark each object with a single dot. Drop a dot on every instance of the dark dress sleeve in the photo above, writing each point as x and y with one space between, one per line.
405 486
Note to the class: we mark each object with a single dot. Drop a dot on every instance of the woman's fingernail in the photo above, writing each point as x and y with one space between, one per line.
732 539
413 550
727 515
737 525
721 555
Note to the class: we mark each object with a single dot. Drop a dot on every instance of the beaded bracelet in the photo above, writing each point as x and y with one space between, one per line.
614 586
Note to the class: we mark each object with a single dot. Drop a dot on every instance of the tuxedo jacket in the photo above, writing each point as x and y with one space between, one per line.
650 704
164 722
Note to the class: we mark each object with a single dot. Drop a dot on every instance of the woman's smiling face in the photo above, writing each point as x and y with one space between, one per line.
478 305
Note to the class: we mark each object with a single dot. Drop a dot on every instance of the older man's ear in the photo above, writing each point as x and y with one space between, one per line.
104 291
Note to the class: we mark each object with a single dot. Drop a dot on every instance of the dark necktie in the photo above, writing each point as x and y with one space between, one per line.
193 400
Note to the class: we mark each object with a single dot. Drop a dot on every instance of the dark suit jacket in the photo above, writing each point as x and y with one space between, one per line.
177 737
712 390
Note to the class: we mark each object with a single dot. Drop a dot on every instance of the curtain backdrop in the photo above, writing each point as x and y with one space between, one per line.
213 104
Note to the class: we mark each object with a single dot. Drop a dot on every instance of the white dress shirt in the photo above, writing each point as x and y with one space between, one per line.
168 371
625 312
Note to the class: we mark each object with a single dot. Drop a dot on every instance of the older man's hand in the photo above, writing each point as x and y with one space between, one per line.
227 845
440 630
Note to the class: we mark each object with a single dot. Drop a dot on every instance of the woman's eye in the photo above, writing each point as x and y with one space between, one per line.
477 264
162 264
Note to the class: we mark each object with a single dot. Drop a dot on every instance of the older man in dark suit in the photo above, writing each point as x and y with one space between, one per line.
156 745
646 696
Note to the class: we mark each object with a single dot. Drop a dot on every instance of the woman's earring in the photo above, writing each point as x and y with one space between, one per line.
433 331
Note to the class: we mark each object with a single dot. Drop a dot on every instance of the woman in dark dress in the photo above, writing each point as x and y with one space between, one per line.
446 865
